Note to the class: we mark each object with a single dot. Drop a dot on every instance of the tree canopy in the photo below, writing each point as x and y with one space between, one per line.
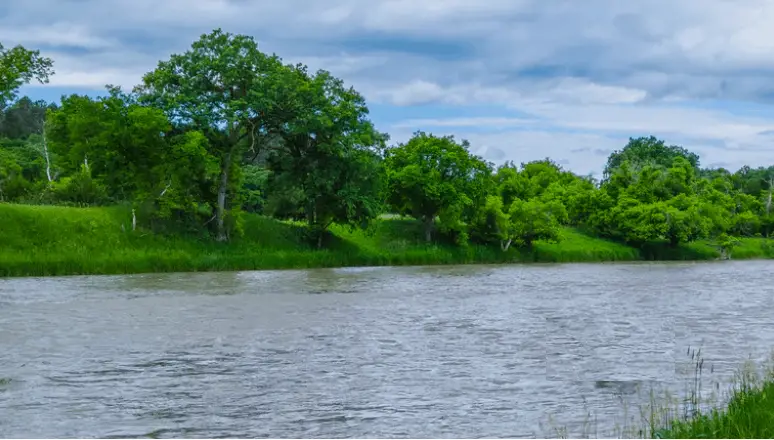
222 130
19 66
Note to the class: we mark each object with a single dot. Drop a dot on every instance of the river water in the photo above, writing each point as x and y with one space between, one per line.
457 351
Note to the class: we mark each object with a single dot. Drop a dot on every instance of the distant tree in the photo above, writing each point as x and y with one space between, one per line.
23 118
644 151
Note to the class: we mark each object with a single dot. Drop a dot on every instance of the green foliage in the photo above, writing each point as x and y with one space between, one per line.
53 240
23 119
532 220
19 66
328 156
645 151
122 143
224 129
253 192
79 189
433 177
230 91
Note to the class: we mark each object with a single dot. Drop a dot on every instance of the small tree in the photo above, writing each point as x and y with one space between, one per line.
535 219
431 177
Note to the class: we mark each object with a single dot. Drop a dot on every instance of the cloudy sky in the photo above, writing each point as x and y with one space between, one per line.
521 79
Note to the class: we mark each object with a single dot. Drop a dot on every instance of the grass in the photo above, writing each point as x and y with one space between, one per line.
748 413
745 410
52 240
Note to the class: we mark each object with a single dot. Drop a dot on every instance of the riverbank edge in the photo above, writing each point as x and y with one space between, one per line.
54 240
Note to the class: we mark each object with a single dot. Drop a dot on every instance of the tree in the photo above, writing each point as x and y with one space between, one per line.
532 220
431 177
23 118
120 142
492 224
134 150
19 66
330 153
647 151
230 91
512 184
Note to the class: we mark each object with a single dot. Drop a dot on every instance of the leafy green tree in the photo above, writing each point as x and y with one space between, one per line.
330 153
25 153
226 88
685 220
521 223
135 154
19 66
121 143
492 223
753 181
532 220
432 176
582 199
512 184
745 224
647 151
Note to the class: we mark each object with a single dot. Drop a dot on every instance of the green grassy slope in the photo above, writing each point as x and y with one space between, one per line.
51 240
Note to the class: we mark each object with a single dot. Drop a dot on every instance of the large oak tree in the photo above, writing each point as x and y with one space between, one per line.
230 91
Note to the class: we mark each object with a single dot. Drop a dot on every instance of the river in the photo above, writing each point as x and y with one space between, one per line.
456 351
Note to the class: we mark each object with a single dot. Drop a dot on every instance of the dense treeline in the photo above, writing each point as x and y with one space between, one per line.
225 129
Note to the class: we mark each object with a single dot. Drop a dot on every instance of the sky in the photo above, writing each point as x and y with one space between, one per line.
522 80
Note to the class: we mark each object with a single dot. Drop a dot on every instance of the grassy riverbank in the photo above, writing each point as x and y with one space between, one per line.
746 411
750 414
51 240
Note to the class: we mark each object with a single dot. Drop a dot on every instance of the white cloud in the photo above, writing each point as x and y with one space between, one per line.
56 34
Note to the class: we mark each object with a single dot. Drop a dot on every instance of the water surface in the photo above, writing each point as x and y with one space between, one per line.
456 351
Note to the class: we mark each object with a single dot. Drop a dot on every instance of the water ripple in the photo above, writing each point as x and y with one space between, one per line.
467 351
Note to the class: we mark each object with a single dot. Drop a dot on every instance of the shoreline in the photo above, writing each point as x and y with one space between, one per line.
38 241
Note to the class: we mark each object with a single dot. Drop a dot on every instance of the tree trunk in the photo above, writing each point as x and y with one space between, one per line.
429 221
222 189
674 241
45 154
505 244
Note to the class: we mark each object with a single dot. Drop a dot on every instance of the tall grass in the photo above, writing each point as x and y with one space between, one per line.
745 409
748 413
51 240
